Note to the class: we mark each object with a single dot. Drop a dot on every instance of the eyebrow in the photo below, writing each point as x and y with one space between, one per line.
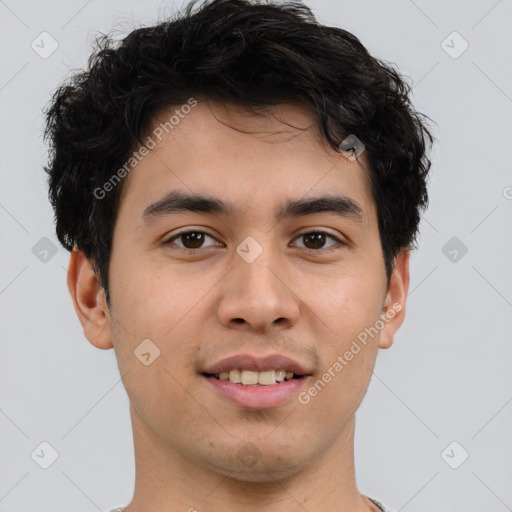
179 202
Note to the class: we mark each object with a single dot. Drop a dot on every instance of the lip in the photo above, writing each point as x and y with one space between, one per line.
257 397
253 363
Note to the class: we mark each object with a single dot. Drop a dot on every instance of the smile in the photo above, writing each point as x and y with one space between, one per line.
249 393
255 378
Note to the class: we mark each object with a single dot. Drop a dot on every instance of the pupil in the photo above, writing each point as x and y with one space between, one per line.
318 239
194 238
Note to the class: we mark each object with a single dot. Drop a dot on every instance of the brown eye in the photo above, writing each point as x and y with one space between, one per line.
317 239
190 239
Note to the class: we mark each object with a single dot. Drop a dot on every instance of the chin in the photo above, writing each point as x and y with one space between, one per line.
249 464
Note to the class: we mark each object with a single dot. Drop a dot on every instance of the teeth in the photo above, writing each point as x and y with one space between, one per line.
252 378
235 376
267 378
249 377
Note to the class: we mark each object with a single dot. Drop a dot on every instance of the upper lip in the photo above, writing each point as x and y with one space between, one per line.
253 363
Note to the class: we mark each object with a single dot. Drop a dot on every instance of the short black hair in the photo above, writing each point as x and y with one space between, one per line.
244 52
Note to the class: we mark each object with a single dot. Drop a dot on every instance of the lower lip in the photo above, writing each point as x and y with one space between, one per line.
258 397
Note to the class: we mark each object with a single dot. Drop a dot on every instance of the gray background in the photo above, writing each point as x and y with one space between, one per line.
447 377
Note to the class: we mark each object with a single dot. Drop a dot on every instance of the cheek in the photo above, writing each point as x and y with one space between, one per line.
350 303
164 307
149 298
148 307
348 358
350 308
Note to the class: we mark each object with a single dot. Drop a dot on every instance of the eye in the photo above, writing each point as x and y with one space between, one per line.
195 239
317 239
190 239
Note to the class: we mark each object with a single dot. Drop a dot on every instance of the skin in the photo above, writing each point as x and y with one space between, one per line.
199 308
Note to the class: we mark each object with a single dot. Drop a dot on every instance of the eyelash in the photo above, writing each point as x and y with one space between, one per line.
195 251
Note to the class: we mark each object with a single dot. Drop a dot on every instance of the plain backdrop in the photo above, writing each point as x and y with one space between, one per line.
433 432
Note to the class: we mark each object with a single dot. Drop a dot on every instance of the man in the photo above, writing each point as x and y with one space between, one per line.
240 188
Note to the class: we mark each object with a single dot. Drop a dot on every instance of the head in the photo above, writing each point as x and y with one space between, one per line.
254 108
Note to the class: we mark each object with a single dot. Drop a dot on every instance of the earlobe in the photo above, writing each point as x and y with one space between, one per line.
393 314
89 300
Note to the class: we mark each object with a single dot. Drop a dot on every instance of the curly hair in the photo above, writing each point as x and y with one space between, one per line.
238 51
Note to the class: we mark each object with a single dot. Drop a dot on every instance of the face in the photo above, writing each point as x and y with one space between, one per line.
259 276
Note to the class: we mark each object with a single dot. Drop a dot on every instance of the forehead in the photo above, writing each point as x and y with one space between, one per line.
249 158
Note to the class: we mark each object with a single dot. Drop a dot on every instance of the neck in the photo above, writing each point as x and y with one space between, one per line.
168 481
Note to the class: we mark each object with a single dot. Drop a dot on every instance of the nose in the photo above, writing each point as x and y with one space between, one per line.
257 296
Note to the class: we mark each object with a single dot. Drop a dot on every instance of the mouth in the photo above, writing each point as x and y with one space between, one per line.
253 395
255 378
257 383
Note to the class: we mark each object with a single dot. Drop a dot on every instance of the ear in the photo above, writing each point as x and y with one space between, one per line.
89 300
393 313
